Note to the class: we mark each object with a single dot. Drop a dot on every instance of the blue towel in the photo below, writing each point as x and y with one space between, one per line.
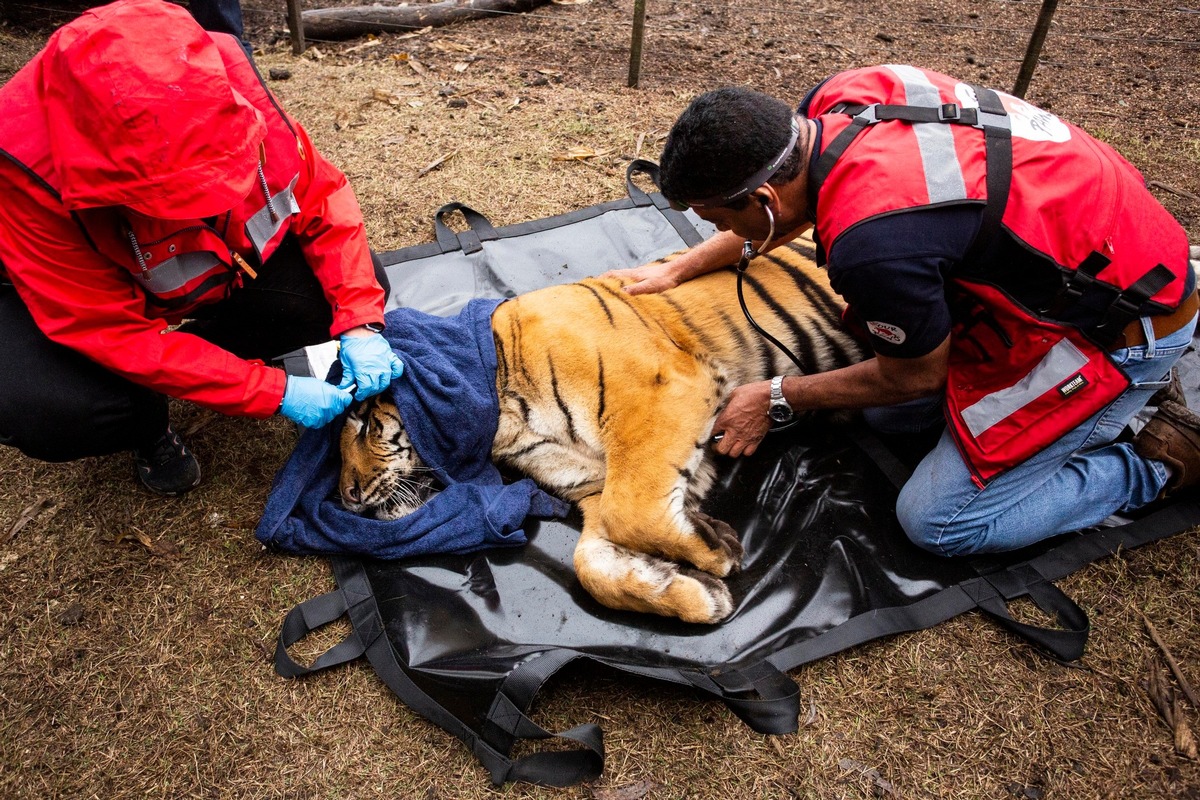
447 398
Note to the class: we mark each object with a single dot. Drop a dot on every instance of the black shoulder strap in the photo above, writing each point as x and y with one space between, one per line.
997 133
990 116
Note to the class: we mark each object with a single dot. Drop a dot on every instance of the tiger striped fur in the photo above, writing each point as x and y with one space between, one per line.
608 400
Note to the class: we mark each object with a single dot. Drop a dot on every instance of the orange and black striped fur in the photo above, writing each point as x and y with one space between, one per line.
608 400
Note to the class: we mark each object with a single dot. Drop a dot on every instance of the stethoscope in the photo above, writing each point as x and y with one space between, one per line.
749 252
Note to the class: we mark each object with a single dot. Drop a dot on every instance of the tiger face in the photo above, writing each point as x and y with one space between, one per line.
382 476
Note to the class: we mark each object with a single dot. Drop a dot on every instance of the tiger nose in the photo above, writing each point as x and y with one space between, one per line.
352 492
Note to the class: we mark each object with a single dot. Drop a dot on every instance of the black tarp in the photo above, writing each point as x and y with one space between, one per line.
467 641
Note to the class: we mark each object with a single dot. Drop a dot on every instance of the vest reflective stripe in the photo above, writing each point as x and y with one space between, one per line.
935 140
1062 363
175 273
261 228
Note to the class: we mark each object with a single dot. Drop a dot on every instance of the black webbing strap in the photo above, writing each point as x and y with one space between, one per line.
895 470
1130 303
1081 280
830 155
991 593
997 142
303 620
760 695
561 768
679 221
469 241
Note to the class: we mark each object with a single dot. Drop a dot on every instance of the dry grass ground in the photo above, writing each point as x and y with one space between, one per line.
135 633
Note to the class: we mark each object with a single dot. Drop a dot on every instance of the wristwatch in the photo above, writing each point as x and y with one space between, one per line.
779 409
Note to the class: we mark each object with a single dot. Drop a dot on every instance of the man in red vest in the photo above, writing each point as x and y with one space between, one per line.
1012 274
166 228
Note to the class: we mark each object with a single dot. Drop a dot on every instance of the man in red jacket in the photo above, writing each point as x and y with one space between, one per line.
166 228
1012 274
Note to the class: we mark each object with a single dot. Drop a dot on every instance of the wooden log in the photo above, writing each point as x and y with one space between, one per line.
350 21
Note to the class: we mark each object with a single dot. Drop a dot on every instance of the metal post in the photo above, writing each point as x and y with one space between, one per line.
635 49
1034 51
295 26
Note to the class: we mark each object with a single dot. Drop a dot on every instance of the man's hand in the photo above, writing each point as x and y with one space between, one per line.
744 421
368 362
646 279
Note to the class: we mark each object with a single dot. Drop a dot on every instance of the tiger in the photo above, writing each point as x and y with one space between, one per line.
607 400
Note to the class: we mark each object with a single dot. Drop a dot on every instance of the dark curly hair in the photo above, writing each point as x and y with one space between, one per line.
721 139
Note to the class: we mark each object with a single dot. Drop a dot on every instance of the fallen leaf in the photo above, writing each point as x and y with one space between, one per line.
884 787
435 164
71 615
314 53
516 101
416 103
579 153
163 547
383 96
421 32
418 67
461 66
27 515
637 151
457 47
363 46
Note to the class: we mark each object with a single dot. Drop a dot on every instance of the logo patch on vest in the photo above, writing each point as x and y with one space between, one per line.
1074 384
886 331
1028 121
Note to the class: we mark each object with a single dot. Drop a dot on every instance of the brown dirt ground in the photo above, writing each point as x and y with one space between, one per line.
135 633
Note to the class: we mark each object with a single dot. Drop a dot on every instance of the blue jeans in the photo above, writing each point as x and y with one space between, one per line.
1078 481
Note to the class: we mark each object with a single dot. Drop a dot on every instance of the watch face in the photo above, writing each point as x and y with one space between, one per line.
780 412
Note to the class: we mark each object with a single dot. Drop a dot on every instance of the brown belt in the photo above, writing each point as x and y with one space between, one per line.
1134 334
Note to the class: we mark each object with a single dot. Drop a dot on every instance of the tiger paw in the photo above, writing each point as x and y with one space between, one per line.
722 539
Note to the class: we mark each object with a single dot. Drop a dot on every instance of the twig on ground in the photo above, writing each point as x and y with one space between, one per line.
1172 664
1173 190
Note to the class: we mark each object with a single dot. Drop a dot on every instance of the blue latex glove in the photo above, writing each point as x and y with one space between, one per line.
369 362
312 402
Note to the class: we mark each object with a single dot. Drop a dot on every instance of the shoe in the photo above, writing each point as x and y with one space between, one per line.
1172 391
167 466
1172 436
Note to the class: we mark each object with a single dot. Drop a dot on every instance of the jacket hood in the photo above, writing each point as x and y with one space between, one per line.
142 114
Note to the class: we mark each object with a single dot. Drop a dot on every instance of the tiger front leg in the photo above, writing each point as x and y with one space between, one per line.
631 580
652 489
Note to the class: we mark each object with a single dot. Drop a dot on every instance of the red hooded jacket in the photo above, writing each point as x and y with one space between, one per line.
145 168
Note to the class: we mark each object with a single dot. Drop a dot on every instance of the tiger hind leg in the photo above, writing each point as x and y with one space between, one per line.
632 580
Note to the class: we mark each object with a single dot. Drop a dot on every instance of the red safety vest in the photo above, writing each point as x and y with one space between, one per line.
897 137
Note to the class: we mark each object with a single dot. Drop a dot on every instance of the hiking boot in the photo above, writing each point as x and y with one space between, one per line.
1172 436
167 466
1172 391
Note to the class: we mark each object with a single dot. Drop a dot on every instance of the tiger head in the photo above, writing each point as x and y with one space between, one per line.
382 475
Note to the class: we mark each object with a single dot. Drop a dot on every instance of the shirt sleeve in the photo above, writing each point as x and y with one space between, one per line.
893 272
